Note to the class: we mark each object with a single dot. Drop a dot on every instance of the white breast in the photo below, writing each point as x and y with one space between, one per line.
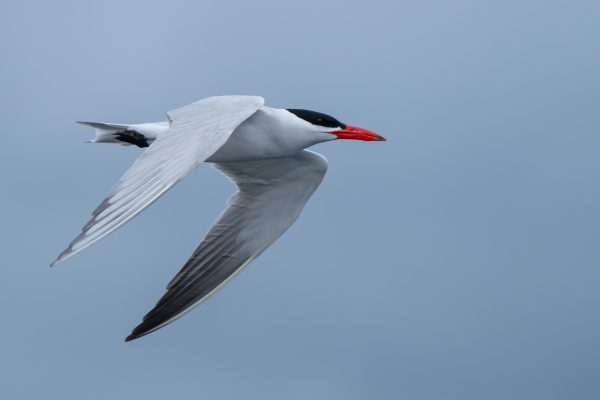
269 133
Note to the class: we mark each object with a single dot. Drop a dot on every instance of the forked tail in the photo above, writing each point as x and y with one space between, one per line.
140 135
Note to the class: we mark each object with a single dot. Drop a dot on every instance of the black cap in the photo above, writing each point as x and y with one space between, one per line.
317 118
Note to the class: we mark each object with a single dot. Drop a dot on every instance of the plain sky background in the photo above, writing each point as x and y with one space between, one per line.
458 260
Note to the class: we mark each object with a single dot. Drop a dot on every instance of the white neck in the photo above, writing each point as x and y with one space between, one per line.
270 133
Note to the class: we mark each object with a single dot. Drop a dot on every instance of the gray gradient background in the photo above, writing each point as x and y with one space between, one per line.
458 260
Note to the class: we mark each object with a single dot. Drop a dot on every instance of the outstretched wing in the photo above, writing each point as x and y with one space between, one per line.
196 132
271 195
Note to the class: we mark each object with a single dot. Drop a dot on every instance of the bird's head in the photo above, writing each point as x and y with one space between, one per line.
324 123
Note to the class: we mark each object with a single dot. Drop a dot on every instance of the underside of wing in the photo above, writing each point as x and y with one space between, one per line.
271 195
195 133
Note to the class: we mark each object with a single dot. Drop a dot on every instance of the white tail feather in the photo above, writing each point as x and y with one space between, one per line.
105 132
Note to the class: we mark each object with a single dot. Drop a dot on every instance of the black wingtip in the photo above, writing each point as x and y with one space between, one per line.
135 334
138 332
132 137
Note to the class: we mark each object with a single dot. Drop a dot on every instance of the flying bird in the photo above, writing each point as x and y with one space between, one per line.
261 149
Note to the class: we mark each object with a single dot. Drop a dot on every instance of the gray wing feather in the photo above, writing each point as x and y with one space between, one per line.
271 195
196 132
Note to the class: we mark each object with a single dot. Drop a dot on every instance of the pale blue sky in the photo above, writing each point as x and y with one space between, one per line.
458 260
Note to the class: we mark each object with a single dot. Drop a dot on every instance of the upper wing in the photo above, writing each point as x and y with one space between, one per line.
270 197
196 132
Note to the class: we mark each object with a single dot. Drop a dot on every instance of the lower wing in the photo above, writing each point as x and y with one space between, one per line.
271 194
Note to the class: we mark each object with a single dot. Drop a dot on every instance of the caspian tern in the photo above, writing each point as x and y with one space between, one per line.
261 149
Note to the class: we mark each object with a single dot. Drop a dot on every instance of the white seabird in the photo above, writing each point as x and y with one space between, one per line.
261 149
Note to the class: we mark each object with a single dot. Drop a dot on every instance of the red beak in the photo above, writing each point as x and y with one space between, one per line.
356 133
